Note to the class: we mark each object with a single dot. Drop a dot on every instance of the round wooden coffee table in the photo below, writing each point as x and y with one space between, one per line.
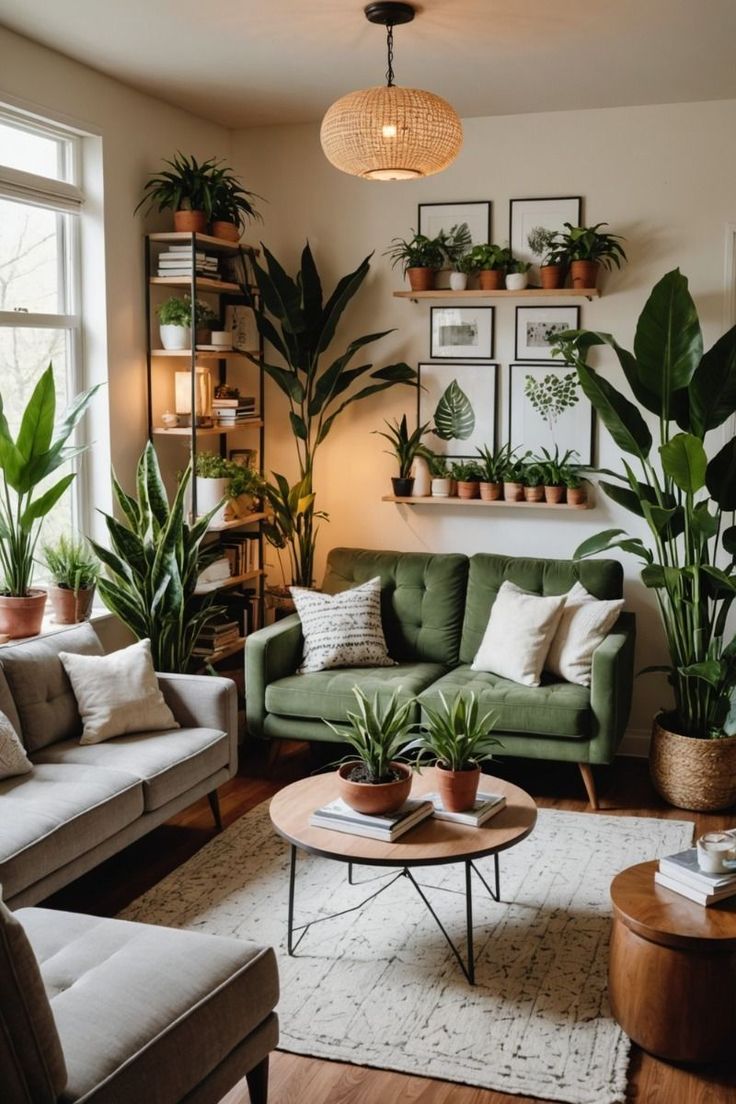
672 969
431 843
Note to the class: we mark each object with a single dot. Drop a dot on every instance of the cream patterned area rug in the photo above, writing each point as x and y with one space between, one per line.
380 987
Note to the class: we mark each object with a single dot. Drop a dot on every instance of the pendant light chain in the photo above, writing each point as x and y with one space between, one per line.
390 54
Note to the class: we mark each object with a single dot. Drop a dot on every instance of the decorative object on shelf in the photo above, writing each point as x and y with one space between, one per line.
175 323
390 133
39 449
536 328
441 484
533 481
517 274
420 259
546 213
588 249
373 780
202 396
490 262
554 263
575 490
211 475
317 393
239 320
457 739
421 475
461 333
74 572
466 476
441 221
198 192
169 420
686 494
493 467
404 447
455 244
555 470
513 475
460 402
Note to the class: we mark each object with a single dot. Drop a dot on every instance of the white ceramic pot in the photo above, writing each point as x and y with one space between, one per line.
458 281
422 478
516 281
210 492
223 339
176 337
441 488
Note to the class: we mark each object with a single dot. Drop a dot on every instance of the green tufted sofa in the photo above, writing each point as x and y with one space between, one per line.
435 608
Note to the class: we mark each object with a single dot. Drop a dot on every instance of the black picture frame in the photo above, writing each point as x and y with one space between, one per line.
523 253
486 311
586 446
475 203
549 309
428 415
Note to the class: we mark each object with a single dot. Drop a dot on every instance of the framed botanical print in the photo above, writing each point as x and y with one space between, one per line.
459 402
547 409
461 333
435 217
537 326
241 323
550 213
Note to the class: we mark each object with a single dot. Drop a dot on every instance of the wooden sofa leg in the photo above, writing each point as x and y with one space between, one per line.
258 1083
588 778
214 801
274 754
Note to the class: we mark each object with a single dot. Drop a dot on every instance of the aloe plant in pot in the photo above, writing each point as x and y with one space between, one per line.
683 494
492 466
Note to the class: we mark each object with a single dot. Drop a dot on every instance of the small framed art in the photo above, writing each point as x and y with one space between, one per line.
461 333
434 217
550 213
240 322
459 402
547 409
537 326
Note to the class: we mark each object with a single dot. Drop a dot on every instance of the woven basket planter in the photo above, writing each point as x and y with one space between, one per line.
693 774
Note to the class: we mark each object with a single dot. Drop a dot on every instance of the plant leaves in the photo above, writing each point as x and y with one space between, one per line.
454 418
720 477
620 417
712 390
668 344
684 461
37 424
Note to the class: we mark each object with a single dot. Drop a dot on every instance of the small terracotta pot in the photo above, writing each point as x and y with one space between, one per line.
21 617
534 494
576 496
513 492
374 799
421 279
467 489
457 789
555 495
489 492
491 279
584 274
70 606
402 487
191 222
552 276
228 231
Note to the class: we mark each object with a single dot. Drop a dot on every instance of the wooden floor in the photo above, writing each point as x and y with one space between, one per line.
625 790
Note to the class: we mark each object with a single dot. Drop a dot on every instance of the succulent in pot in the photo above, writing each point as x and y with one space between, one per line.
513 476
553 258
73 569
492 466
589 249
574 487
373 780
420 258
533 480
554 470
187 188
467 475
489 261
441 478
457 739
405 447
517 274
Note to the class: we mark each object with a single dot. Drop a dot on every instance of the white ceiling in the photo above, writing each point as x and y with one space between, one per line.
257 62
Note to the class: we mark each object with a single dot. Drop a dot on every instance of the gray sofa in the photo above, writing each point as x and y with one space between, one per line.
81 804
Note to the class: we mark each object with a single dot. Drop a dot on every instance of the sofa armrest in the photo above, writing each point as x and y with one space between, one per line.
204 701
270 654
611 688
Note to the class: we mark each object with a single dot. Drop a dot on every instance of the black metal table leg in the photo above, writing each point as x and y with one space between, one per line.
469 953
292 883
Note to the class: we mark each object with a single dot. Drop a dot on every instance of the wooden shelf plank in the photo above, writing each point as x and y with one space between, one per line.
479 293
183 237
204 283
209 431
480 502
225 584
236 523
205 354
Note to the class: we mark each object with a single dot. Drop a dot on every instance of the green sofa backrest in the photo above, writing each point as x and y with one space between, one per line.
602 578
422 599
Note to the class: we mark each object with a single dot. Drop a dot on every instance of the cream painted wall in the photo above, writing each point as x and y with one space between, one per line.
663 176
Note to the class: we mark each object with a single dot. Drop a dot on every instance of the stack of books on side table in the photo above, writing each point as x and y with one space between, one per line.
682 875
486 806
213 637
339 817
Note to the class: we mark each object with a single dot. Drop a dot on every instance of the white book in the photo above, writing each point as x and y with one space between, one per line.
684 867
486 805
339 817
699 896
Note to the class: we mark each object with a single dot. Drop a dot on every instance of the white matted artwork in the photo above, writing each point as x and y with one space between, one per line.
461 333
459 402
241 323
536 327
550 213
436 217
547 409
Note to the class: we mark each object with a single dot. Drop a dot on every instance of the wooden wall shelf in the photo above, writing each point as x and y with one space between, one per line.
184 237
480 503
206 354
209 431
479 293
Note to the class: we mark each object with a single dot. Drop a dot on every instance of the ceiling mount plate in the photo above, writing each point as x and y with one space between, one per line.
389 14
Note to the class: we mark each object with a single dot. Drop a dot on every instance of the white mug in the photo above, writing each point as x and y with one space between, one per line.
717 852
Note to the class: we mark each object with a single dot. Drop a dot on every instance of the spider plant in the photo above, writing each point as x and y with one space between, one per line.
378 734
493 465
455 736
404 445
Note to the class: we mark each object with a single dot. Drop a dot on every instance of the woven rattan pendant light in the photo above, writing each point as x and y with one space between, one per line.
390 133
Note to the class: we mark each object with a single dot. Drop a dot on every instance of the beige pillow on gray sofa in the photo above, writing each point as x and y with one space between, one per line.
117 693
13 758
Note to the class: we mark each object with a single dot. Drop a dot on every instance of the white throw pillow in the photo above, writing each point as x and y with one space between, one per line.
117 693
518 635
342 630
585 623
13 758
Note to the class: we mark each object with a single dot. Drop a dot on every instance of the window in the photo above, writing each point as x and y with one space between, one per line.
40 200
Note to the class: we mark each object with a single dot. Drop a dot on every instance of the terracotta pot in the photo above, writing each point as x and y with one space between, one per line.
584 274
402 487
374 799
692 774
420 279
552 276
70 606
513 492
467 489
534 494
457 789
576 496
554 495
228 231
491 279
22 616
191 222
489 492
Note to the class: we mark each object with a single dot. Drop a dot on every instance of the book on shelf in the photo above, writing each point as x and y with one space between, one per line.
243 553
699 896
227 404
206 272
180 256
339 817
486 805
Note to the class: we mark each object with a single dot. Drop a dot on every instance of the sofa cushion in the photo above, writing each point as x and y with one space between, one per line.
58 812
602 578
145 1012
41 690
168 763
422 598
552 709
13 758
329 694
342 630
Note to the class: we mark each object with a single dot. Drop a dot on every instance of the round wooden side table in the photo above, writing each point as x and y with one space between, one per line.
672 969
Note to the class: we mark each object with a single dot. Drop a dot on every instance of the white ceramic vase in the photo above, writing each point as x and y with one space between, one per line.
458 281
422 478
441 488
176 337
210 492
516 281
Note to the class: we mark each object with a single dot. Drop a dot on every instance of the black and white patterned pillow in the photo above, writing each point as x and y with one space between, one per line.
342 630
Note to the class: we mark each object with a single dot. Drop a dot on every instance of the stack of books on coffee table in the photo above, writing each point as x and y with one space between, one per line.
486 805
682 875
339 817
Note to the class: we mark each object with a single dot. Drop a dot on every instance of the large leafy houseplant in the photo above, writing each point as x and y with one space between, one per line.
686 499
295 320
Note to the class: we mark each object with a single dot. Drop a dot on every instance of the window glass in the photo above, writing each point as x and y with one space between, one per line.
33 152
31 278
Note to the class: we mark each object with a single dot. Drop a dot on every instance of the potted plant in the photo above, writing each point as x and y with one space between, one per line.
420 258
187 188
455 244
244 490
175 323
517 274
232 206
533 479
554 471
492 466
587 249
489 261
74 572
466 474
372 780
212 478
404 446
39 450
684 493
457 739
553 260
459 276
205 320
441 478
513 477
574 487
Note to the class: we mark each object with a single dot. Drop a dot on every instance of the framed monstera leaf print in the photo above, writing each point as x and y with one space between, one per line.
460 403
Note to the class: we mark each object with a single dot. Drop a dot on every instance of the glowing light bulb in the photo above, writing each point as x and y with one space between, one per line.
389 130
